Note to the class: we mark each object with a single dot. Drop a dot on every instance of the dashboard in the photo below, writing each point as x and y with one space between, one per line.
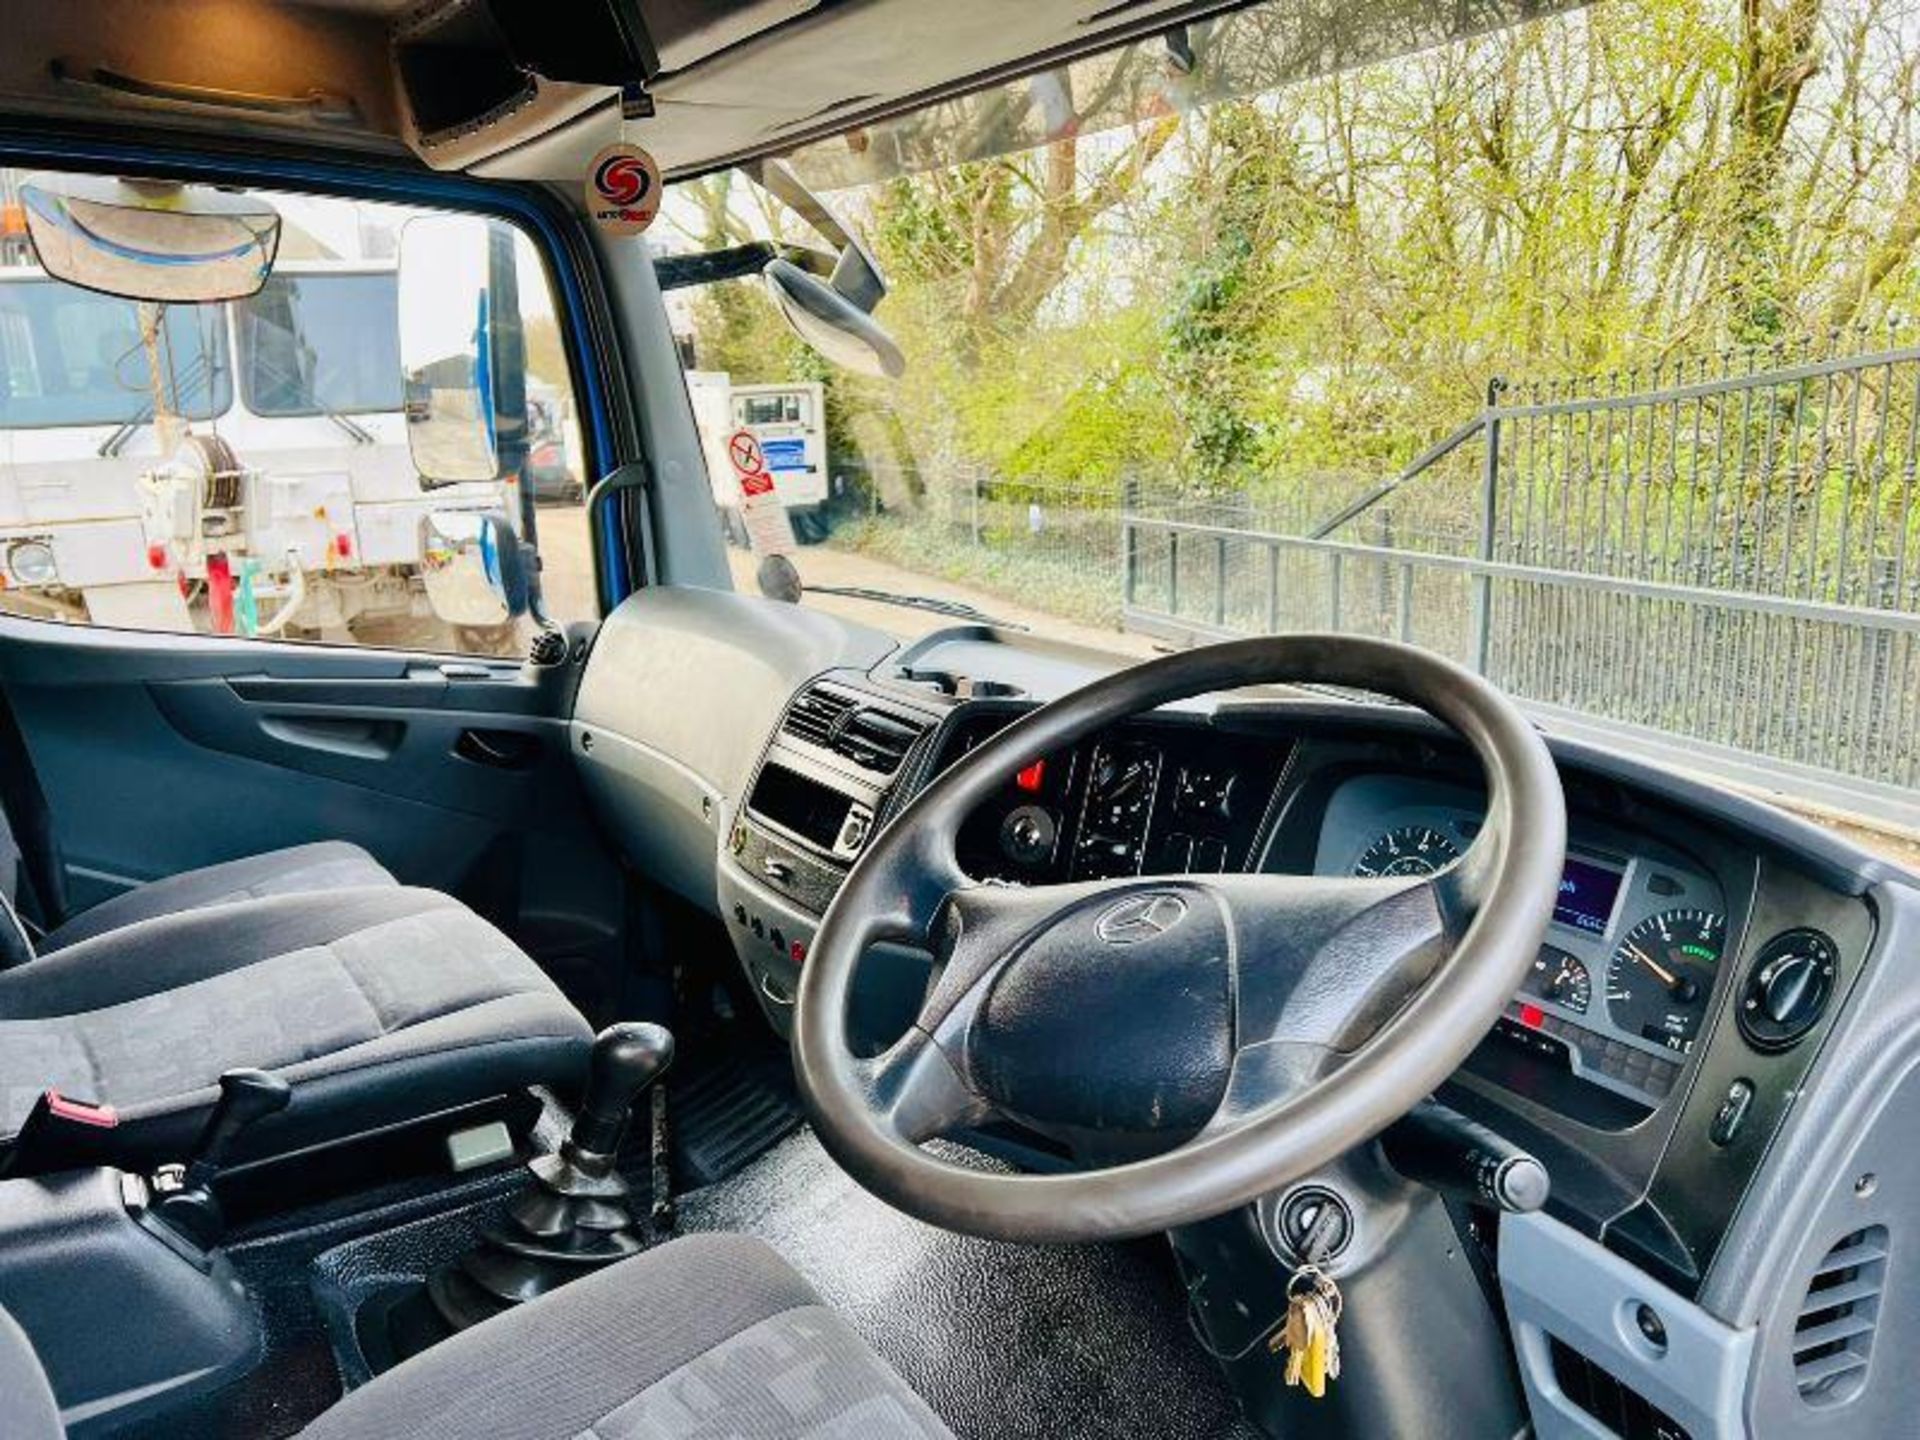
1702 949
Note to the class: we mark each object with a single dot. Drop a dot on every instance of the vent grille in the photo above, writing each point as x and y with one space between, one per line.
875 741
872 739
1833 1336
1622 1409
816 714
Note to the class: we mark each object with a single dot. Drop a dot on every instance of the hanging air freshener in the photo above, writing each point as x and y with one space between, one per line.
623 189
623 183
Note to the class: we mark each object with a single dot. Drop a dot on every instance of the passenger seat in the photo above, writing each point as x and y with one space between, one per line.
298 870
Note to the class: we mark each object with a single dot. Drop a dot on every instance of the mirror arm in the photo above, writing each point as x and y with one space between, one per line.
680 272
855 275
738 262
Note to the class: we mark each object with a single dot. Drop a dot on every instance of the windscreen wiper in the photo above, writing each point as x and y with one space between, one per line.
958 609
185 387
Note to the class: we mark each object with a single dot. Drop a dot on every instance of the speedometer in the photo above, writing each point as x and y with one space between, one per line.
1410 850
1660 977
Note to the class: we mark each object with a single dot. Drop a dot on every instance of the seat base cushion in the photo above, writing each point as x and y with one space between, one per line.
301 869
377 1005
705 1337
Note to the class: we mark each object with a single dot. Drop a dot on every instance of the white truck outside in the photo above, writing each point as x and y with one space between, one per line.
279 455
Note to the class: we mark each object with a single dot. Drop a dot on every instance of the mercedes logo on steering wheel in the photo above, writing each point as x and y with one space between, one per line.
1141 917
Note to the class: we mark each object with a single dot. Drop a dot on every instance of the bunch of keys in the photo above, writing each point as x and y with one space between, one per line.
1309 1335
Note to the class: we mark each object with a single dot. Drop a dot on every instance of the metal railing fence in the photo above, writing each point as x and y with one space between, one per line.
1729 560
1725 556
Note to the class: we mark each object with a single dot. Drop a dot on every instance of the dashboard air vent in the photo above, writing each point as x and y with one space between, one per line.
1833 1336
834 720
876 741
815 714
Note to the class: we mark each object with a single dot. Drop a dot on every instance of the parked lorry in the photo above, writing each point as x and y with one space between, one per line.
789 421
234 467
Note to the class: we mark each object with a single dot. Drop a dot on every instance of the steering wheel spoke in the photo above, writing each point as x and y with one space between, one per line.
918 1092
1326 962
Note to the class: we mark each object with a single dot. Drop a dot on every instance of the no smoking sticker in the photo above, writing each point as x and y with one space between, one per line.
743 450
623 189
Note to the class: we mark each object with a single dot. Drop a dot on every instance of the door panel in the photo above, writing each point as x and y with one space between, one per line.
160 753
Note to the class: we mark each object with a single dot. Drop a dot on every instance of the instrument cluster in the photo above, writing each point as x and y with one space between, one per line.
1146 798
1620 991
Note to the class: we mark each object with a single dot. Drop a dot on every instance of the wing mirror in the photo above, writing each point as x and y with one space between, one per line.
451 326
473 568
150 240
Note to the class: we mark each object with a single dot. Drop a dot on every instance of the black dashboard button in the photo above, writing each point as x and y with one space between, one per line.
1787 989
1732 1113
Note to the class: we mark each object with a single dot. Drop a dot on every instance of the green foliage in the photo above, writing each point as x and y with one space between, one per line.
1315 283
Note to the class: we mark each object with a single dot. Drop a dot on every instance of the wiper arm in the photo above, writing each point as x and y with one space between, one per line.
185 386
958 609
277 373
358 432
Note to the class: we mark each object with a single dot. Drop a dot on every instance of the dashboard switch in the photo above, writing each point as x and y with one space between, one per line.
1732 1113
1787 989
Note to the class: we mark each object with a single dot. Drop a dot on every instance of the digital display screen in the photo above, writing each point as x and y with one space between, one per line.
1587 893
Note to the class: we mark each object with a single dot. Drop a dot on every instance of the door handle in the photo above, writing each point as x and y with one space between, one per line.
498 749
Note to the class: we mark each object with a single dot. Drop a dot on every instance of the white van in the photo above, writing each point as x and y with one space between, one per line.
287 456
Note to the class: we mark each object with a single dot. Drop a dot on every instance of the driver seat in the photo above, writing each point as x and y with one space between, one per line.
703 1338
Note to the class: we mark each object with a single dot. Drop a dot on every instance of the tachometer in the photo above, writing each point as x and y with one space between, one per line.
1561 978
1409 850
1660 977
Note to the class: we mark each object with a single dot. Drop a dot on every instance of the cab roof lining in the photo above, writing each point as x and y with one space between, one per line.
737 78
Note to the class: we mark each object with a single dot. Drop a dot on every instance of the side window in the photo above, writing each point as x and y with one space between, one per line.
244 468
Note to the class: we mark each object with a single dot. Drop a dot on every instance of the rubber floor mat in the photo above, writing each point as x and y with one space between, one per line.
726 1113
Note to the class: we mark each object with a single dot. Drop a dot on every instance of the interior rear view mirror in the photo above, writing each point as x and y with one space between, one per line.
832 324
150 240
827 298
472 567
446 349
834 315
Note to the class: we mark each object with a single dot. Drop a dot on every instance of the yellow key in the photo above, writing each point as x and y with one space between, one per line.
1309 1335
1313 1365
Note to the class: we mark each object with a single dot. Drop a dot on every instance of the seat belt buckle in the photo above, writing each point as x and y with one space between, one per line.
63 1132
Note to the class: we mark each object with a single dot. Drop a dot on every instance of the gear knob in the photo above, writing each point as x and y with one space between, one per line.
627 1058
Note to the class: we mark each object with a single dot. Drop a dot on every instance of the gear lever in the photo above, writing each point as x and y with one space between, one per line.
186 1201
626 1060
574 1218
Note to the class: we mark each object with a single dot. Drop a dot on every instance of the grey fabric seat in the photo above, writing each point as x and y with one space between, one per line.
377 1004
703 1338
706 1337
300 869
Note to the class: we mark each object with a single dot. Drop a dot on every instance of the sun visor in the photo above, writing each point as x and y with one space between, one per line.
479 77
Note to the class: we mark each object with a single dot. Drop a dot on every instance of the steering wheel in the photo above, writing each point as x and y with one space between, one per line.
1209 1038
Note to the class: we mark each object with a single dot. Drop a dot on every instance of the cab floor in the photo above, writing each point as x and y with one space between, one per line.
1001 1340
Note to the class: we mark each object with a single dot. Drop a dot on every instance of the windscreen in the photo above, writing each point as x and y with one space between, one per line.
1580 350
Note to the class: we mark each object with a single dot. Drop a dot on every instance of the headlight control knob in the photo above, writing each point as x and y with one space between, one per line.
1787 989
